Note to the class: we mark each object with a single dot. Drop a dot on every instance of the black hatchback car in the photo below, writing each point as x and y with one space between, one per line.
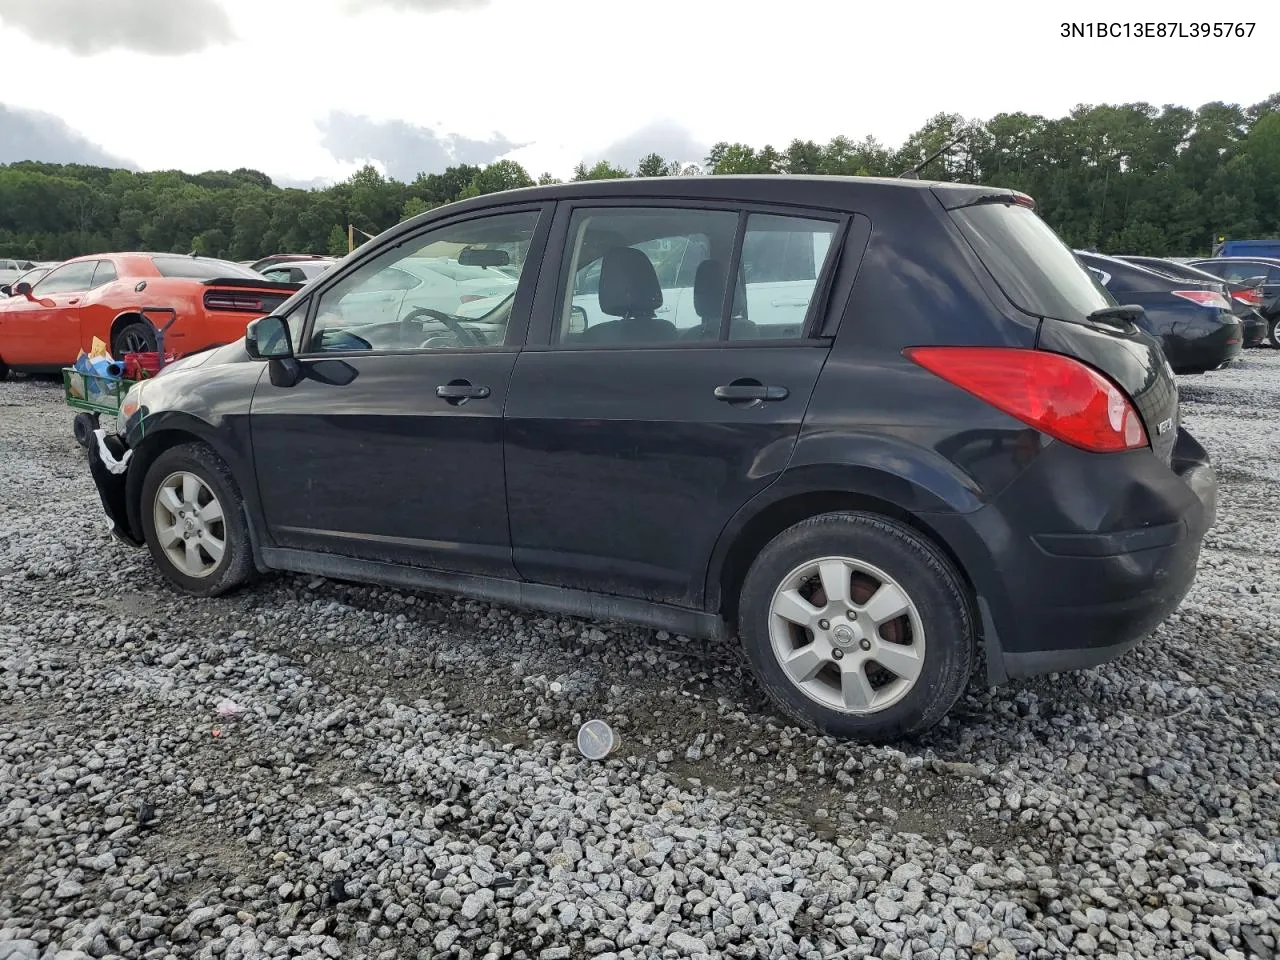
1193 319
866 426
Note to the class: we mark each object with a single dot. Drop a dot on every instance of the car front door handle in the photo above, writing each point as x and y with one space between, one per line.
739 392
460 391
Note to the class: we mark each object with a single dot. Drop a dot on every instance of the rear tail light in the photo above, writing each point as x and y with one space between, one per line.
1206 298
1056 394
1250 298
239 302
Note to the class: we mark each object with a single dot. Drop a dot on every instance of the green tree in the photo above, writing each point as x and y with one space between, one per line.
602 170
413 207
653 165
502 175
337 245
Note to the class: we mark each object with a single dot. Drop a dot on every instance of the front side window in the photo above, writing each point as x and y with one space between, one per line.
449 288
69 278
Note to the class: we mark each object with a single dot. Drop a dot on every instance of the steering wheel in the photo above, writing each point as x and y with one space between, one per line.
457 329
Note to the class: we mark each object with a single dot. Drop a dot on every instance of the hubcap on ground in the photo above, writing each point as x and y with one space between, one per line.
190 525
847 635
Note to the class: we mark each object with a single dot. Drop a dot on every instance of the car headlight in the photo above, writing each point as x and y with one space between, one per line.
131 404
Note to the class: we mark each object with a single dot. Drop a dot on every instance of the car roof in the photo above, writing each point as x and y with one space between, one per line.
845 194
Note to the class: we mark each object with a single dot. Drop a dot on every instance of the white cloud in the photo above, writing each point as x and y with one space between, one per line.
578 79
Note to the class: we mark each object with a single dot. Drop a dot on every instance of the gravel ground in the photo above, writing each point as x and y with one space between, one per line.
404 783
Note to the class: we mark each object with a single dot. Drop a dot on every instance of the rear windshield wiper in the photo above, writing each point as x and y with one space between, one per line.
1120 317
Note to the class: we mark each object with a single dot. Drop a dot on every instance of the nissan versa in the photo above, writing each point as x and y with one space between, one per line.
866 426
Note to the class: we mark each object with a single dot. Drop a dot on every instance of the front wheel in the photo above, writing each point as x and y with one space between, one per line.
858 626
193 521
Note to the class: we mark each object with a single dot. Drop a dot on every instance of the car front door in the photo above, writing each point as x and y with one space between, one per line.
631 445
45 330
390 447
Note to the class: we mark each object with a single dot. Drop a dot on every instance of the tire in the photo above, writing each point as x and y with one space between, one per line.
136 337
82 428
198 574
934 636
1275 335
4 371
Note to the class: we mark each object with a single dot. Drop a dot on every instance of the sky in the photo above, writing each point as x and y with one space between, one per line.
308 91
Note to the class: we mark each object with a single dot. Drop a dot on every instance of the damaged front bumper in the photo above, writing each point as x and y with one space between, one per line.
109 466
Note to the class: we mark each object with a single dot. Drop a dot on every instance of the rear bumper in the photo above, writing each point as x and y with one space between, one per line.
1084 555
1255 331
1200 349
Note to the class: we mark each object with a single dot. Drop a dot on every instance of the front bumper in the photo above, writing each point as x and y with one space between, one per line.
1084 555
109 466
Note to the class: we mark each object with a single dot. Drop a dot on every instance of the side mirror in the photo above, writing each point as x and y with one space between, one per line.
6 290
267 338
22 289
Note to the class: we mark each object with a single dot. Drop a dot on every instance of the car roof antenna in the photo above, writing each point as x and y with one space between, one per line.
914 172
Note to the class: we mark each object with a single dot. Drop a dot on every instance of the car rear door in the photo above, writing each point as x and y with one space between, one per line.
627 454
390 447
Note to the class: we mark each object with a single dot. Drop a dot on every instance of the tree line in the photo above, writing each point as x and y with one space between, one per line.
1129 178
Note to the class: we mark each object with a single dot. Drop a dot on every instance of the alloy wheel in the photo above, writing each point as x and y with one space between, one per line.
189 524
847 635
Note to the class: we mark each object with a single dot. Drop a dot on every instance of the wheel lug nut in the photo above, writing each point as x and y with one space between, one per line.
866 644
824 624
838 654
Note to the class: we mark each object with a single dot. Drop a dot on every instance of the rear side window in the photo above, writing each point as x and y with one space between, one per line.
104 274
1035 269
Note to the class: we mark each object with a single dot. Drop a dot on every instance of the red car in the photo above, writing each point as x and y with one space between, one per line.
44 328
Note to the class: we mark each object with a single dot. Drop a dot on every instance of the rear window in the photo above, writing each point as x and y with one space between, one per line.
196 268
1036 270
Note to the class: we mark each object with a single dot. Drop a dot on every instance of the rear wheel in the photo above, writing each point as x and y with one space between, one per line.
136 337
4 371
857 626
193 521
1275 334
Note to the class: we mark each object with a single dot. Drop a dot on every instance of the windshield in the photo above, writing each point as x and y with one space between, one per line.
200 268
1034 268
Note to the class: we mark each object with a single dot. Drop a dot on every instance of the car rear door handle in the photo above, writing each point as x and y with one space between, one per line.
738 392
460 391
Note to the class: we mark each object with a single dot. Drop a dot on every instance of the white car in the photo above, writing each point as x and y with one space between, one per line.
297 271
11 270
775 300
432 283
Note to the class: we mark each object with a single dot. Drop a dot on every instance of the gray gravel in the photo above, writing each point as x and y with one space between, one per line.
403 781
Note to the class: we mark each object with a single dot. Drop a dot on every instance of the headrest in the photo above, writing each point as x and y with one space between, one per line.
708 291
628 284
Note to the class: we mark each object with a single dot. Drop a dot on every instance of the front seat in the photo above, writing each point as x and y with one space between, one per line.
630 291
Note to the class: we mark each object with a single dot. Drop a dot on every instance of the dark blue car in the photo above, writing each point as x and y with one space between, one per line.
1192 320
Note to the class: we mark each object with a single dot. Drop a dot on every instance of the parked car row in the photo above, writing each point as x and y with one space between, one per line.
1203 311
869 427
